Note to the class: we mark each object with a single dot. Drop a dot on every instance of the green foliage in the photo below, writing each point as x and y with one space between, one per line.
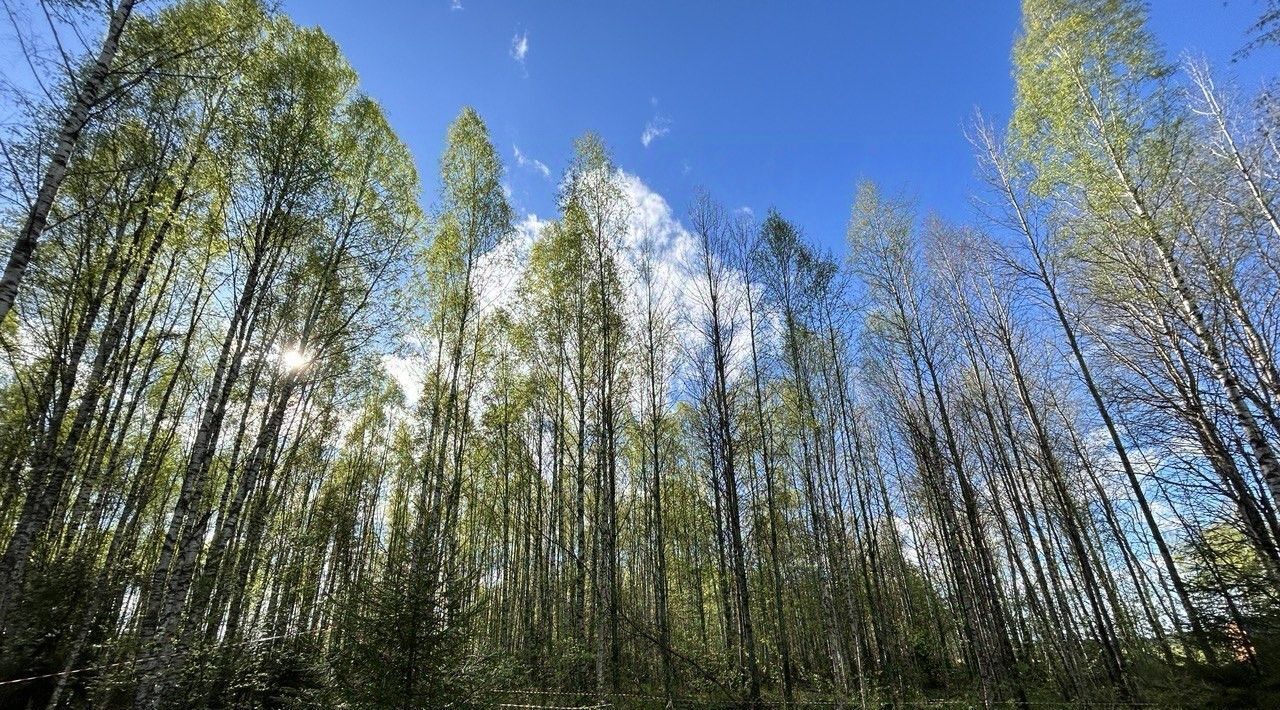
1093 108
240 261
410 646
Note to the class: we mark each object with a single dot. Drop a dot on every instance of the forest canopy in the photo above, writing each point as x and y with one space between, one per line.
285 424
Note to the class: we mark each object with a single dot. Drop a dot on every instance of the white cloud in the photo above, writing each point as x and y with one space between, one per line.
525 161
455 5
408 373
500 270
651 226
677 268
657 127
497 274
650 223
520 46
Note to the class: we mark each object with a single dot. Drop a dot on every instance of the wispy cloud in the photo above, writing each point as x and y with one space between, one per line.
657 127
525 161
520 46
455 5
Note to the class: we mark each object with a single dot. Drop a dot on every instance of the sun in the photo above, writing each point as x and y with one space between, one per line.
293 359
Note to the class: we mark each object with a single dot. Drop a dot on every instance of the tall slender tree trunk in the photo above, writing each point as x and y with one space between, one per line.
88 93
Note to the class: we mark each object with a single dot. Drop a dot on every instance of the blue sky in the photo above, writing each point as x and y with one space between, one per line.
763 104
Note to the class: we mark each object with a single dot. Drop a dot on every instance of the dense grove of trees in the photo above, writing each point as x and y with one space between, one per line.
1028 461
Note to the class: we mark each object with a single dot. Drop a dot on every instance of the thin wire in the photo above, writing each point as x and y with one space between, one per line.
553 707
